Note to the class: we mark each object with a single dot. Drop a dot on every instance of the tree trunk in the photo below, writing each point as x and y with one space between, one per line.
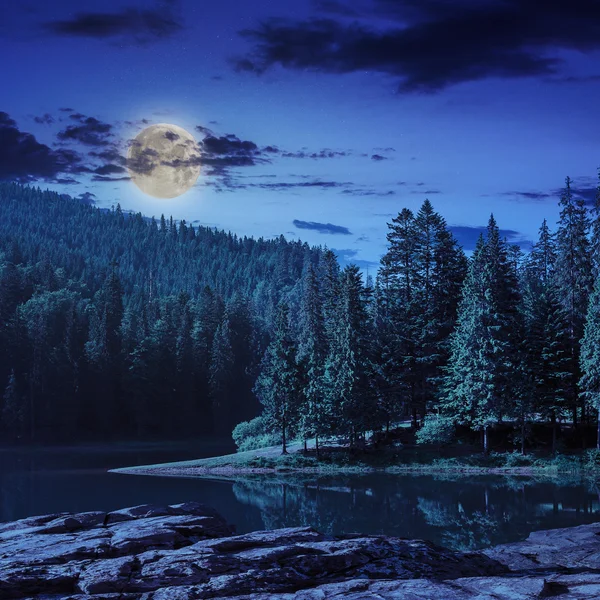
523 436
574 417
414 418
485 440
283 441
317 445
553 433
305 446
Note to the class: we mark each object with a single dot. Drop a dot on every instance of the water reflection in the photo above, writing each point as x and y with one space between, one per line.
459 512
464 513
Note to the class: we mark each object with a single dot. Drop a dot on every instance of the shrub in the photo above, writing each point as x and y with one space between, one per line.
251 435
592 460
516 459
436 430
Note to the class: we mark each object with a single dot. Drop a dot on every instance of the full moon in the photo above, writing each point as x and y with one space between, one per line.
164 160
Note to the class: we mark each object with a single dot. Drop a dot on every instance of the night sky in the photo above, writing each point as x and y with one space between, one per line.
317 120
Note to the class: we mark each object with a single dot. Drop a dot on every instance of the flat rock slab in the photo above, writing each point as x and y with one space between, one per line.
188 552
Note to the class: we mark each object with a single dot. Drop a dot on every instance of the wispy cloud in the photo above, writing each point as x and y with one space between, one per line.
322 227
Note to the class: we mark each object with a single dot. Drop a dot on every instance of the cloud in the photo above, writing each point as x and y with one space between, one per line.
23 158
45 119
368 192
106 178
87 198
109 169
322 227
378 157
142 26
89 131
538 196
435 43
426 192
467 236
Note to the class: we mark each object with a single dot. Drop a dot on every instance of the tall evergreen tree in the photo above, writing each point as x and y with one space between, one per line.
480 386
277 386
573 277
590 356
312 351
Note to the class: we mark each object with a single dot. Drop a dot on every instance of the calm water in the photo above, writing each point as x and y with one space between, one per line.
462 513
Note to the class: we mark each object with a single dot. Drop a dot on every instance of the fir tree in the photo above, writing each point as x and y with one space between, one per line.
312 351
573 277
590 357
277 386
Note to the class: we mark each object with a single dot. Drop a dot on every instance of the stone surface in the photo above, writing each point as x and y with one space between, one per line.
188 551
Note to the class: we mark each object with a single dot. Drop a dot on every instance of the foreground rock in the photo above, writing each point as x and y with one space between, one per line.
188 551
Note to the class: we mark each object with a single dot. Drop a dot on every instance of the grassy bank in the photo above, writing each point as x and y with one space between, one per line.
337 459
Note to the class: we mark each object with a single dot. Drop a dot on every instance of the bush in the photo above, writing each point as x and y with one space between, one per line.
592 460
251 435
436 430
516 459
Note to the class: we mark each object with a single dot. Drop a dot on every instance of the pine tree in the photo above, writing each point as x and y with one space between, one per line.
348 365
277 386
595 238
590 356
399 271
221 374
480 387
312 351
573 277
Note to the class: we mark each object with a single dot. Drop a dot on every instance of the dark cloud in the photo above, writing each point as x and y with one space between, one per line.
110 155
467 236
325 153
205 131
171 135
66 109
322 227
529 195
107 178
228 144
287 185
45 119
89 131
426 192
378 157
87 198
436 43
140 26
368 192
23 158
109 169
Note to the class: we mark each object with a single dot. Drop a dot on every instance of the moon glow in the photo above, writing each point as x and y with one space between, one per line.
164 160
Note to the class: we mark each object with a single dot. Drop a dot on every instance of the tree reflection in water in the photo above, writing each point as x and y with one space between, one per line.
463 513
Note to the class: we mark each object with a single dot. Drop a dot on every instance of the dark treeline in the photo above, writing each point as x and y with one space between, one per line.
454 344
112 325
116 325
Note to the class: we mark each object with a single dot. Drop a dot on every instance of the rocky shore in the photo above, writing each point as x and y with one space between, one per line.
188 551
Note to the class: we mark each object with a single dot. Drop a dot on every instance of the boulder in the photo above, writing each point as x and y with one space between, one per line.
188 552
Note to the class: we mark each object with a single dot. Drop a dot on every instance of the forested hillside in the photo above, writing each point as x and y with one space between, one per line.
117 326
114 325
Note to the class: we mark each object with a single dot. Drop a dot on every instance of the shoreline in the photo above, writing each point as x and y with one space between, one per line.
230 472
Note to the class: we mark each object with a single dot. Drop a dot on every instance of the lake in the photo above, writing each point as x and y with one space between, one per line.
458 512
